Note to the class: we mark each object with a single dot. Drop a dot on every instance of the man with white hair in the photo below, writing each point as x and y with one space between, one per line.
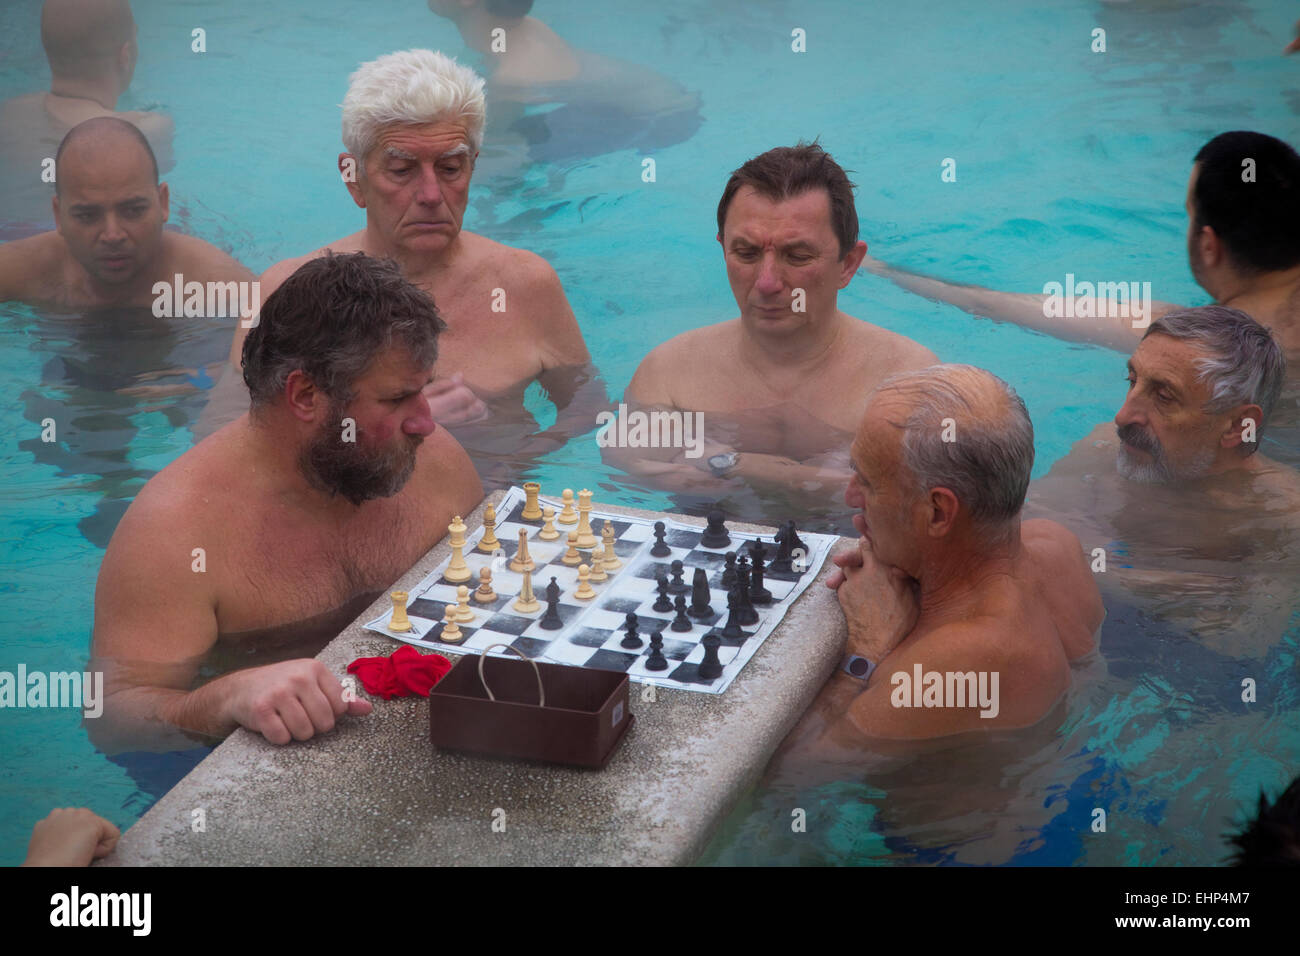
960 616
412 128
1175 500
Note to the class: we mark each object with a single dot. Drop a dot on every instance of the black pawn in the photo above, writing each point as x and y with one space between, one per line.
711 667
664 603
633 640
715 535
551 620
700 595
729 571
660 549
656 661
732 630
677 585
681 622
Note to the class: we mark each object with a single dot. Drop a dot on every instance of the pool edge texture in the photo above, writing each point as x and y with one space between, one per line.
375 792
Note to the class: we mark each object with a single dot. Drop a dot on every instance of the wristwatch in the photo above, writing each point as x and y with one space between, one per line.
858 668
721 464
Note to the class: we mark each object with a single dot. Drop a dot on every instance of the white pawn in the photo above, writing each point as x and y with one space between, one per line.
464 613
567 514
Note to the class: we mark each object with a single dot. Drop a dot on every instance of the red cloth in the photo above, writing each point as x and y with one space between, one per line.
405 673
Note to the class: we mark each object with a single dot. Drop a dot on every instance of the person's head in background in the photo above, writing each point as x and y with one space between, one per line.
1243 203
91 48
1273 837
412 126
109 206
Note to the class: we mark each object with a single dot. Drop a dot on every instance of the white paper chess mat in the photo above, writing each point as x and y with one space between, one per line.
593 631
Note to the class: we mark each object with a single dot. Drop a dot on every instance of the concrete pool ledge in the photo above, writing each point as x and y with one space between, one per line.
375 792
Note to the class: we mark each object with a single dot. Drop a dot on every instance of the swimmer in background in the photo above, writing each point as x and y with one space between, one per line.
413 124
782 387
92 52
608 104
1198 526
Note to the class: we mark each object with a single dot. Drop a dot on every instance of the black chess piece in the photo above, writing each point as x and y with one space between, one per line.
793 539
681 622
632 640
729 571
677 585
781 563
757 593
551 620
715 535
656 661
731 630
664 603
660 549
700 596
744 612
710 668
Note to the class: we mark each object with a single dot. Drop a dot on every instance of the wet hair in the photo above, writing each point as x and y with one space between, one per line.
789 171
988 464
1256 220
82 38
508 8
411 88
331 319
1273 837
104 127
1246 366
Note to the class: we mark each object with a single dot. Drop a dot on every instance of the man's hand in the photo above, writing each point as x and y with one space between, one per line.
452 402
71 837
293 700
879 602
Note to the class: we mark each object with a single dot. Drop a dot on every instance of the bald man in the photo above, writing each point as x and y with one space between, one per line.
109 247
947 580
91 49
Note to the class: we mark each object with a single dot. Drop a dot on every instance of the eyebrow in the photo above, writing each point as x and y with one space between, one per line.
1158 382
456 151
399 153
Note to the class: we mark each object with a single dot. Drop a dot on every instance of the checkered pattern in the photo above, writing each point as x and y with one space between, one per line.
593 630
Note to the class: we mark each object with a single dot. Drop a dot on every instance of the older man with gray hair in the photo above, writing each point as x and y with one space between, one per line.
960 616
412 128
1183 511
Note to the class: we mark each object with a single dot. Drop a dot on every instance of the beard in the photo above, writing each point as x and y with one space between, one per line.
339 467
1159 470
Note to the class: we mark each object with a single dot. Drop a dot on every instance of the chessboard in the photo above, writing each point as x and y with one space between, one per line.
593 632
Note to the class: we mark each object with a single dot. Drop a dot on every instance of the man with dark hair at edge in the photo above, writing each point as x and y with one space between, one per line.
783 386
92 52
258 545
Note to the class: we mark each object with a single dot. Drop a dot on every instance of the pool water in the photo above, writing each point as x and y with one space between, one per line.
1067 161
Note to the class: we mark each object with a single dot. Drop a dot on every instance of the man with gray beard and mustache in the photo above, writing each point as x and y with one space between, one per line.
267 538
1180 510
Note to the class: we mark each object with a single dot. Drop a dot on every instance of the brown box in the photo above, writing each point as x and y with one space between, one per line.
585 716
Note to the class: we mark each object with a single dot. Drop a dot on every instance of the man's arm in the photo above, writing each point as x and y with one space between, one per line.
23 262
154 622
1028 309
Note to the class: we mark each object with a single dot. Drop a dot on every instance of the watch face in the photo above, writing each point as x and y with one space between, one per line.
859 666
722 461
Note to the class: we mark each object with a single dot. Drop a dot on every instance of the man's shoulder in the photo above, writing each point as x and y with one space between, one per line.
30 265
277 272
883 347
199 259
521 265
676 360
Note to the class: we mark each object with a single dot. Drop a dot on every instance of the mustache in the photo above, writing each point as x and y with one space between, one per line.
1133 434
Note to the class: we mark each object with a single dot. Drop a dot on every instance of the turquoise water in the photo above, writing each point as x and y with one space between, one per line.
1068 161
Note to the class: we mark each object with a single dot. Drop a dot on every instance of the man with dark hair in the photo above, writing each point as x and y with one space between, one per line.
92 52
1183 513
108 247
1243 203
262 542
1273 837
783 386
